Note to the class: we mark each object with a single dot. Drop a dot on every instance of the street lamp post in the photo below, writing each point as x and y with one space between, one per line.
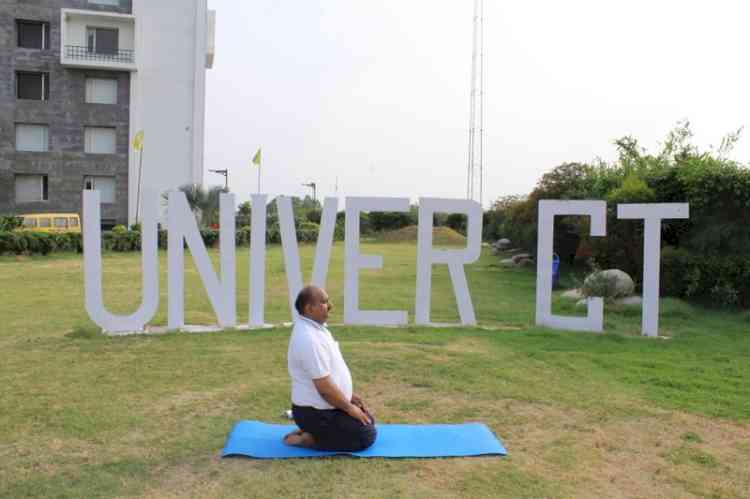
314 189
224 172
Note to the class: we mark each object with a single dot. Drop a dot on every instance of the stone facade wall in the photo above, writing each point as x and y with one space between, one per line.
66 113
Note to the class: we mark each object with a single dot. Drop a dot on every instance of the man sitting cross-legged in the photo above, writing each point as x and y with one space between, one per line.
329 415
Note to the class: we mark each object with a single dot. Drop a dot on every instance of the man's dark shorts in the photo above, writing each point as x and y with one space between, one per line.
334 430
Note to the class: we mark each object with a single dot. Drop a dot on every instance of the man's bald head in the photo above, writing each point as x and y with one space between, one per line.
309 295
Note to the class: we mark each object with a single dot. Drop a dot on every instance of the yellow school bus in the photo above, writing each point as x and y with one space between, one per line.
52 222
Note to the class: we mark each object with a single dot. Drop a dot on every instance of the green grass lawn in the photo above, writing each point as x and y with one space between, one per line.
582 415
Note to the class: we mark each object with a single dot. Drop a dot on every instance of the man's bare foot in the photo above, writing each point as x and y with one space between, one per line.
299 438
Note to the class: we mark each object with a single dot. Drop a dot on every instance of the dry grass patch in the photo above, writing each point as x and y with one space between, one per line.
186 481
635 458
642 455
441 236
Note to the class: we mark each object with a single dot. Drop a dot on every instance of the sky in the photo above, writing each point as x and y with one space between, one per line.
371 98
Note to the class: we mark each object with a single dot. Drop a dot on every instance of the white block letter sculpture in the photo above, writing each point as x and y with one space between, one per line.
652 214
356 261
257 260
594 320
182 226
455 259
92 266
291 249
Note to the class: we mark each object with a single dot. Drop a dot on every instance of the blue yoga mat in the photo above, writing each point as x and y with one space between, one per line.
264 441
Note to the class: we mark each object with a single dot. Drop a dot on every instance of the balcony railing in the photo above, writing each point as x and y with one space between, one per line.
91 54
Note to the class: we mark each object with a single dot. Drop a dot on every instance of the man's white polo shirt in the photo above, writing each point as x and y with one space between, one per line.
314 354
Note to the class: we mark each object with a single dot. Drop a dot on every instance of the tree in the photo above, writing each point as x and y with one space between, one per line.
204 203
244 214
457 222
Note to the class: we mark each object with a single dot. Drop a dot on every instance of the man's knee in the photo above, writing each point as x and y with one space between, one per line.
367 435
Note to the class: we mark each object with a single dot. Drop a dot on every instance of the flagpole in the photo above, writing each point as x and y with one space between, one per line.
138 195
257 162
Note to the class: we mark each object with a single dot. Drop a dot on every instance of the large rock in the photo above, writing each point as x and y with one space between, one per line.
503 243
573 294
521 256
630 301
610 283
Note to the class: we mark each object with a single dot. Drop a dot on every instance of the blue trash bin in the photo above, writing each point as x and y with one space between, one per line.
555 269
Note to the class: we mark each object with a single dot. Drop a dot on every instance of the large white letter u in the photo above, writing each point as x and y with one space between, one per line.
92 266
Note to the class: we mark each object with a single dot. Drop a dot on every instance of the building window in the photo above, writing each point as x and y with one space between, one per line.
32 138
31 188
113 3
33 34
101 90
100 140
32 86
105 186
102 40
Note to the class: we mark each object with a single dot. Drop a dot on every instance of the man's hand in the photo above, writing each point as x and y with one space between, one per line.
331 394
359 414
357 400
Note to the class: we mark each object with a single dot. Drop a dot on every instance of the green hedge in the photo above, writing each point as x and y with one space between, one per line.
10 222
712 263
39 243
719 279
123 240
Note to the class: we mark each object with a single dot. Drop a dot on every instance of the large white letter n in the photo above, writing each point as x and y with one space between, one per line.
182 227
92 266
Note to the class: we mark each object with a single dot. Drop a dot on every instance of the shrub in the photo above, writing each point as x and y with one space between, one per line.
313 216
717 189
41 243
163 239
37 243
339 233
387 220
119 241
632 190
273 234
242 238
307 232
457 222
69 242
719 279
10 222
210 237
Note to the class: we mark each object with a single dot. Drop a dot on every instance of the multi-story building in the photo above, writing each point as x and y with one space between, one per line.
79 79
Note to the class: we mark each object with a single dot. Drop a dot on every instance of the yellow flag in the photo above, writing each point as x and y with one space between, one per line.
256 158
138 141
